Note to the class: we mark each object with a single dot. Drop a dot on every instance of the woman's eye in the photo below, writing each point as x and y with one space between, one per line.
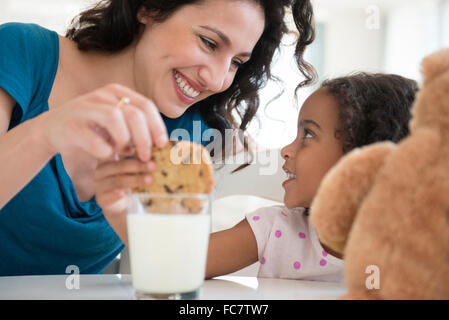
237 63
208 43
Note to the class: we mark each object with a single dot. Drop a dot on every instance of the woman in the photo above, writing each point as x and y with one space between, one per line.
67 103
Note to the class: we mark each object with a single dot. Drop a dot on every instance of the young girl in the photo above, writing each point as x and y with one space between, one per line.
343 114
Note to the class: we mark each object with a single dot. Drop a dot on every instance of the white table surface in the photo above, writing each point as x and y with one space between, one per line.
117 286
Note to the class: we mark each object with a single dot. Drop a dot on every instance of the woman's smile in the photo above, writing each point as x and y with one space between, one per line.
186 90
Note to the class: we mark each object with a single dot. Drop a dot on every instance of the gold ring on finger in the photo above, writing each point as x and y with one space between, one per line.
123 101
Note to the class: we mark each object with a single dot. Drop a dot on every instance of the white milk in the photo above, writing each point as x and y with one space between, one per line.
168 252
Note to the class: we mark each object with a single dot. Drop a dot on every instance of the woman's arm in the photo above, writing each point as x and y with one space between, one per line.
22 155
25 149
231 250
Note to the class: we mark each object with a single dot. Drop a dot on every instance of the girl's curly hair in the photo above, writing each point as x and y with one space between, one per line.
111 25
373 107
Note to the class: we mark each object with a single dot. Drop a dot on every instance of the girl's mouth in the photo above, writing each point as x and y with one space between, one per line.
185 92
290 177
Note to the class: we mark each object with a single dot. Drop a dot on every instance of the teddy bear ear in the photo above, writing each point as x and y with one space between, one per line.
434 65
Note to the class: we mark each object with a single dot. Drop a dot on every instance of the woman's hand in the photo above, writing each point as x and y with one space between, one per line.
94 123
113 181
115 178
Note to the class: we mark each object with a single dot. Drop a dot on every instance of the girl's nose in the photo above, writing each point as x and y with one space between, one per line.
287 152
290 150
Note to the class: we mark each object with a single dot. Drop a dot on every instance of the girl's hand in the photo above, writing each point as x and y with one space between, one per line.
115 178
94 123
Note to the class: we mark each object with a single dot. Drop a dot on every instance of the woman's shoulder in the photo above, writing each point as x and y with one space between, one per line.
29 57
17 32
27 42
14 29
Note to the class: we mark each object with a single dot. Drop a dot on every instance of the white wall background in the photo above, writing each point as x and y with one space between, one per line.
52 14
391 36
352 35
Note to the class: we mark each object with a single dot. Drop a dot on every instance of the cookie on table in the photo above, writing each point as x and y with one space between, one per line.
182 167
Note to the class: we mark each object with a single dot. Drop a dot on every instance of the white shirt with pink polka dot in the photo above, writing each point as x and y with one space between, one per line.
288 246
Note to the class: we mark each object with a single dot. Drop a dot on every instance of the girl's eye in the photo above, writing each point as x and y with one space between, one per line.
307 134
210 44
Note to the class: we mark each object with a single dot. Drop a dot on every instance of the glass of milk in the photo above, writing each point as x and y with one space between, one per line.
168 237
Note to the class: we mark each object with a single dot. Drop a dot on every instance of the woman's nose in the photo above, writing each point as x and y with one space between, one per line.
214 75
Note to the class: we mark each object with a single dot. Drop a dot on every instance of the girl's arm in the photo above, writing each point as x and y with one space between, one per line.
231 250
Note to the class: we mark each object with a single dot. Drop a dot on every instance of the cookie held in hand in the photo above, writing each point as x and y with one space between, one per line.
181 167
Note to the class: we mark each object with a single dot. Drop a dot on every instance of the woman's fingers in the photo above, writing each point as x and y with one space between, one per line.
127 166
125 181
140 133
157 125
97 123
123 174
154 119
90 141
108 119
113 201
115 178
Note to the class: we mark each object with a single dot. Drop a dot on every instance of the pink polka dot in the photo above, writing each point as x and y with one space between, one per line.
323 262
302 235
262 261
297 265
278 233
255 218
324 253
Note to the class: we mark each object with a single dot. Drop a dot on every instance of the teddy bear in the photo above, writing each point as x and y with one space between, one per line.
385 206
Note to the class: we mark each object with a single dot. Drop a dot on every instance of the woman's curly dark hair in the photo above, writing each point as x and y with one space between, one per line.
111 25
373 107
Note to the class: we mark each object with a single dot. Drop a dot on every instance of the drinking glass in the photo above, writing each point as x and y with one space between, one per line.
168 236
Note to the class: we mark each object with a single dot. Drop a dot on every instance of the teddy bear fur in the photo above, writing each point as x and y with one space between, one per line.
387 205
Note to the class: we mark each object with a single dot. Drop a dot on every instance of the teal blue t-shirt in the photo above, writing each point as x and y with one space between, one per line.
45 228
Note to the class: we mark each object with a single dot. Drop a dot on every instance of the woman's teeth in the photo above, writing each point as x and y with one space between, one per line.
185 88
